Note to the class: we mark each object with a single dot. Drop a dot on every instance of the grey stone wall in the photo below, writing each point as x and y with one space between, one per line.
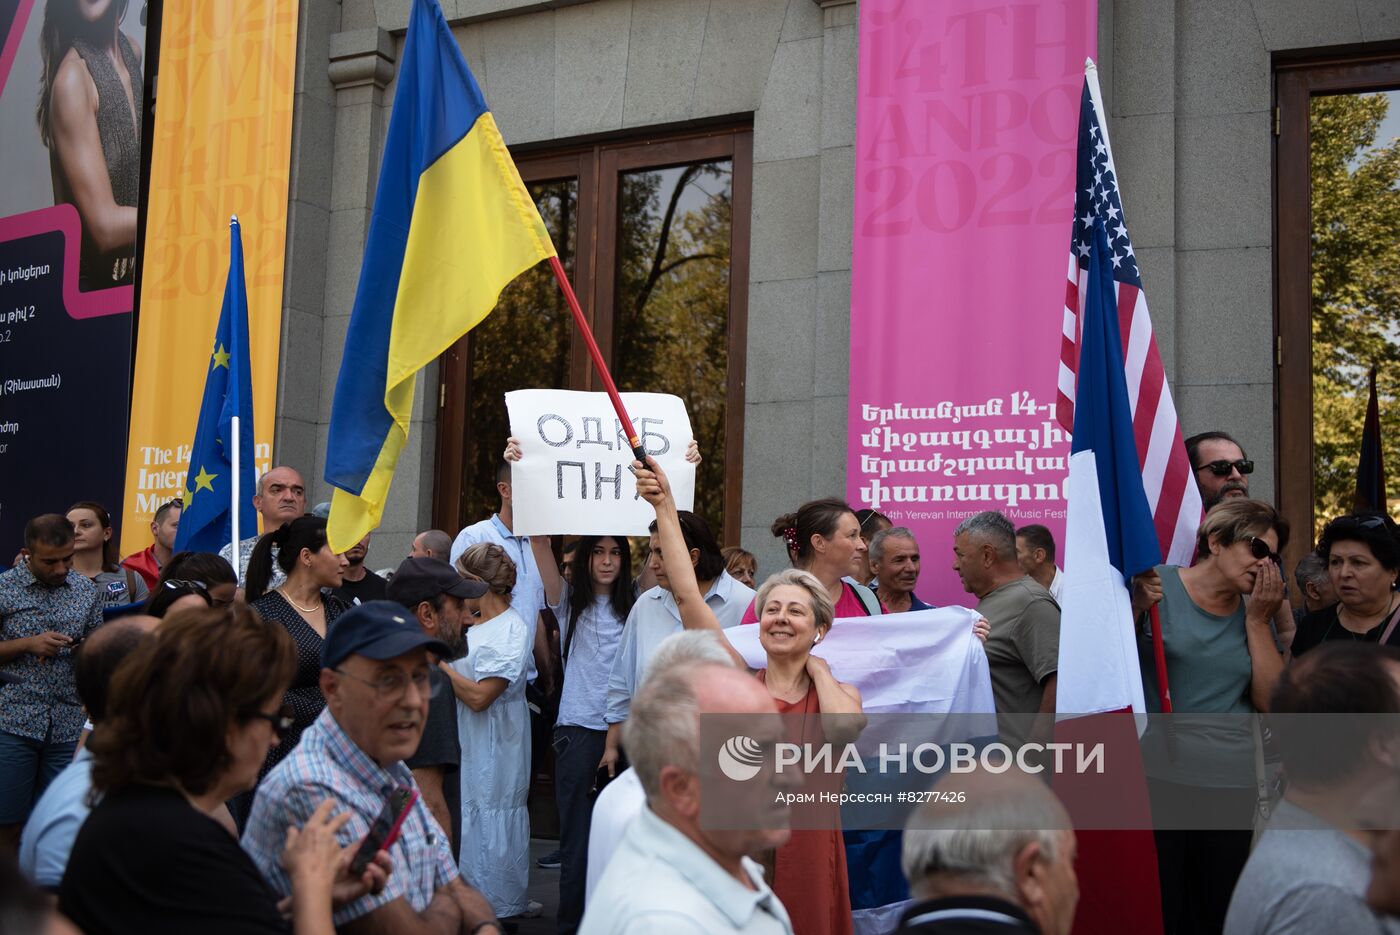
1188 87
557 70
1191 100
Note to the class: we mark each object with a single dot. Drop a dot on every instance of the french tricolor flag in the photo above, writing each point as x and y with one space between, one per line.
1109 537
1109 532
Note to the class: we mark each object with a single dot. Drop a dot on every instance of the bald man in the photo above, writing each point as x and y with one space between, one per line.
280 498
432 543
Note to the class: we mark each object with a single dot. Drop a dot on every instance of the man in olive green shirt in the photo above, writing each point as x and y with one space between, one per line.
1023 648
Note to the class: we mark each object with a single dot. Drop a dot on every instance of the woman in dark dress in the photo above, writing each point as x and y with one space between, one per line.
1362 556
190 715
89 116
303 606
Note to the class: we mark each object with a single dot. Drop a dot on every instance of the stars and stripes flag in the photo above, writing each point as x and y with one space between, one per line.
1166 471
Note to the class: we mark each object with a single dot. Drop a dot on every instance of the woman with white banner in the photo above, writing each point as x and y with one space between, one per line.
809 871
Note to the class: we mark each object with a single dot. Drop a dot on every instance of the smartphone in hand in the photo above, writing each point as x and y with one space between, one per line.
385 830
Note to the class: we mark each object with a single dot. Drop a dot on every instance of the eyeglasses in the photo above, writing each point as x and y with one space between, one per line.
1260 550
393 684
1222 468
182 584
281 722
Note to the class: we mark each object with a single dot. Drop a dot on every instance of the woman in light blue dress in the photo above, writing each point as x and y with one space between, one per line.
493 725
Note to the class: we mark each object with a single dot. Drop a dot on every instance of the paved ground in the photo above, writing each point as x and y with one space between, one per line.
544 887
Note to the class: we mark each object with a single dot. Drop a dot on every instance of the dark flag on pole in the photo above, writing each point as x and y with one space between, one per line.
1370 468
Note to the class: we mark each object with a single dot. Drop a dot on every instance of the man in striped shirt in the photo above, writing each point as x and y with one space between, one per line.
374 676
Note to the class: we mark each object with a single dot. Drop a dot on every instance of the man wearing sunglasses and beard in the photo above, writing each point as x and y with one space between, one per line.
1220 466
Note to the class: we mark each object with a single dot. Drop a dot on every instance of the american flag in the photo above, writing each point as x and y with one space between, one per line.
1166 470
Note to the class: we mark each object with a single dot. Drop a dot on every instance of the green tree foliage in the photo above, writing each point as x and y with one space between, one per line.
522 344
1355 291
670 323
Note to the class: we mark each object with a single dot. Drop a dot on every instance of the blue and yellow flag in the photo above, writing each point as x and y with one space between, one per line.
206 525
452 226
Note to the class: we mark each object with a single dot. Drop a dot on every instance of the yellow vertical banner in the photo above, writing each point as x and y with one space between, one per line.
221 146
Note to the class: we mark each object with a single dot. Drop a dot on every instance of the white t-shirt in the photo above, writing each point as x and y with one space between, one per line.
617 805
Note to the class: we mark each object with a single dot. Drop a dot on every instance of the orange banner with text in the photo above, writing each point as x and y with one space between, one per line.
221 146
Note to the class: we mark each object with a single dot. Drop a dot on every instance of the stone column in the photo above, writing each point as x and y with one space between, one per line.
361 69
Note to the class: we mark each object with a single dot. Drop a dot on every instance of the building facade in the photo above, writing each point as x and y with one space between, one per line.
768 88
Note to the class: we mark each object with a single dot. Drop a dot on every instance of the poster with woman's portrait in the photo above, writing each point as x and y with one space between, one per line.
71 102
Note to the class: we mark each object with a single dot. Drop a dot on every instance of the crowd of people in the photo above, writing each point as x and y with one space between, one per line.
277 738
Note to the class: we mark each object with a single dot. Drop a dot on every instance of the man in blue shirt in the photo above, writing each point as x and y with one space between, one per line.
46 608
62 809
527 599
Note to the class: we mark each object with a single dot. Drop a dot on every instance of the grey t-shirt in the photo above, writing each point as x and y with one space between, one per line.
1304 877
1209 671
121 587
1023 648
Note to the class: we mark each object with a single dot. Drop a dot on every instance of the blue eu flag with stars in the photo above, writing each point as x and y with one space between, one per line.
206 524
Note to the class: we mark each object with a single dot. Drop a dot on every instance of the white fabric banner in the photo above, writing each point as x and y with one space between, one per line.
573 477
925 661
1098 648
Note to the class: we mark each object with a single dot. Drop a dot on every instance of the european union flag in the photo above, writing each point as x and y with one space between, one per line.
206 525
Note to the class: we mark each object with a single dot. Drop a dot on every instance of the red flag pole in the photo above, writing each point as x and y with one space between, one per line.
597 356
1159 652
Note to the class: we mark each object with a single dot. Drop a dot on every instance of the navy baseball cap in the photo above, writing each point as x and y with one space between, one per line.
423 579
378 630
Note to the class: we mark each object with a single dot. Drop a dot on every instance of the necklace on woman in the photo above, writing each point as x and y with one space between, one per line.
1362 635
306 610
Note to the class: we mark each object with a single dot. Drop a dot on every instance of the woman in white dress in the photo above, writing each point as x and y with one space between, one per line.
493 725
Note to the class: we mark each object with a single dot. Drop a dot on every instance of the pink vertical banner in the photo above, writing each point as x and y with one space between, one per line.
967 118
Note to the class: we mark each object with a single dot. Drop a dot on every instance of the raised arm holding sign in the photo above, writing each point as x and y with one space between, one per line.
571 475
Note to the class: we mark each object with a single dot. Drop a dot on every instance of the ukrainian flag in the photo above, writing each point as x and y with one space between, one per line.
452 225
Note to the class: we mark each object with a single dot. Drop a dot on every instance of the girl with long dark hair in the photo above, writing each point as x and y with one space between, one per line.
591 607
304 607
89 116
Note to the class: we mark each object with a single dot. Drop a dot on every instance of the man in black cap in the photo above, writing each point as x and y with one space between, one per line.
375 665
433 592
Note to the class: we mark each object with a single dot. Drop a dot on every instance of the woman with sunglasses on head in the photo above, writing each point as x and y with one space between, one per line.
1362 556
1222 658
493 725
305 608
176 595
202 568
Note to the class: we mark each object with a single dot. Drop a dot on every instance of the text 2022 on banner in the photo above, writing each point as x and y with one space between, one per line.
965 139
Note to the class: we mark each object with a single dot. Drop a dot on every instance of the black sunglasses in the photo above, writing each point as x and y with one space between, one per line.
1260 550
182 584
281 721
1222 468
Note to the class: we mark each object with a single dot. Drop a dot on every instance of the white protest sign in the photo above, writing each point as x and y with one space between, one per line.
573 478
